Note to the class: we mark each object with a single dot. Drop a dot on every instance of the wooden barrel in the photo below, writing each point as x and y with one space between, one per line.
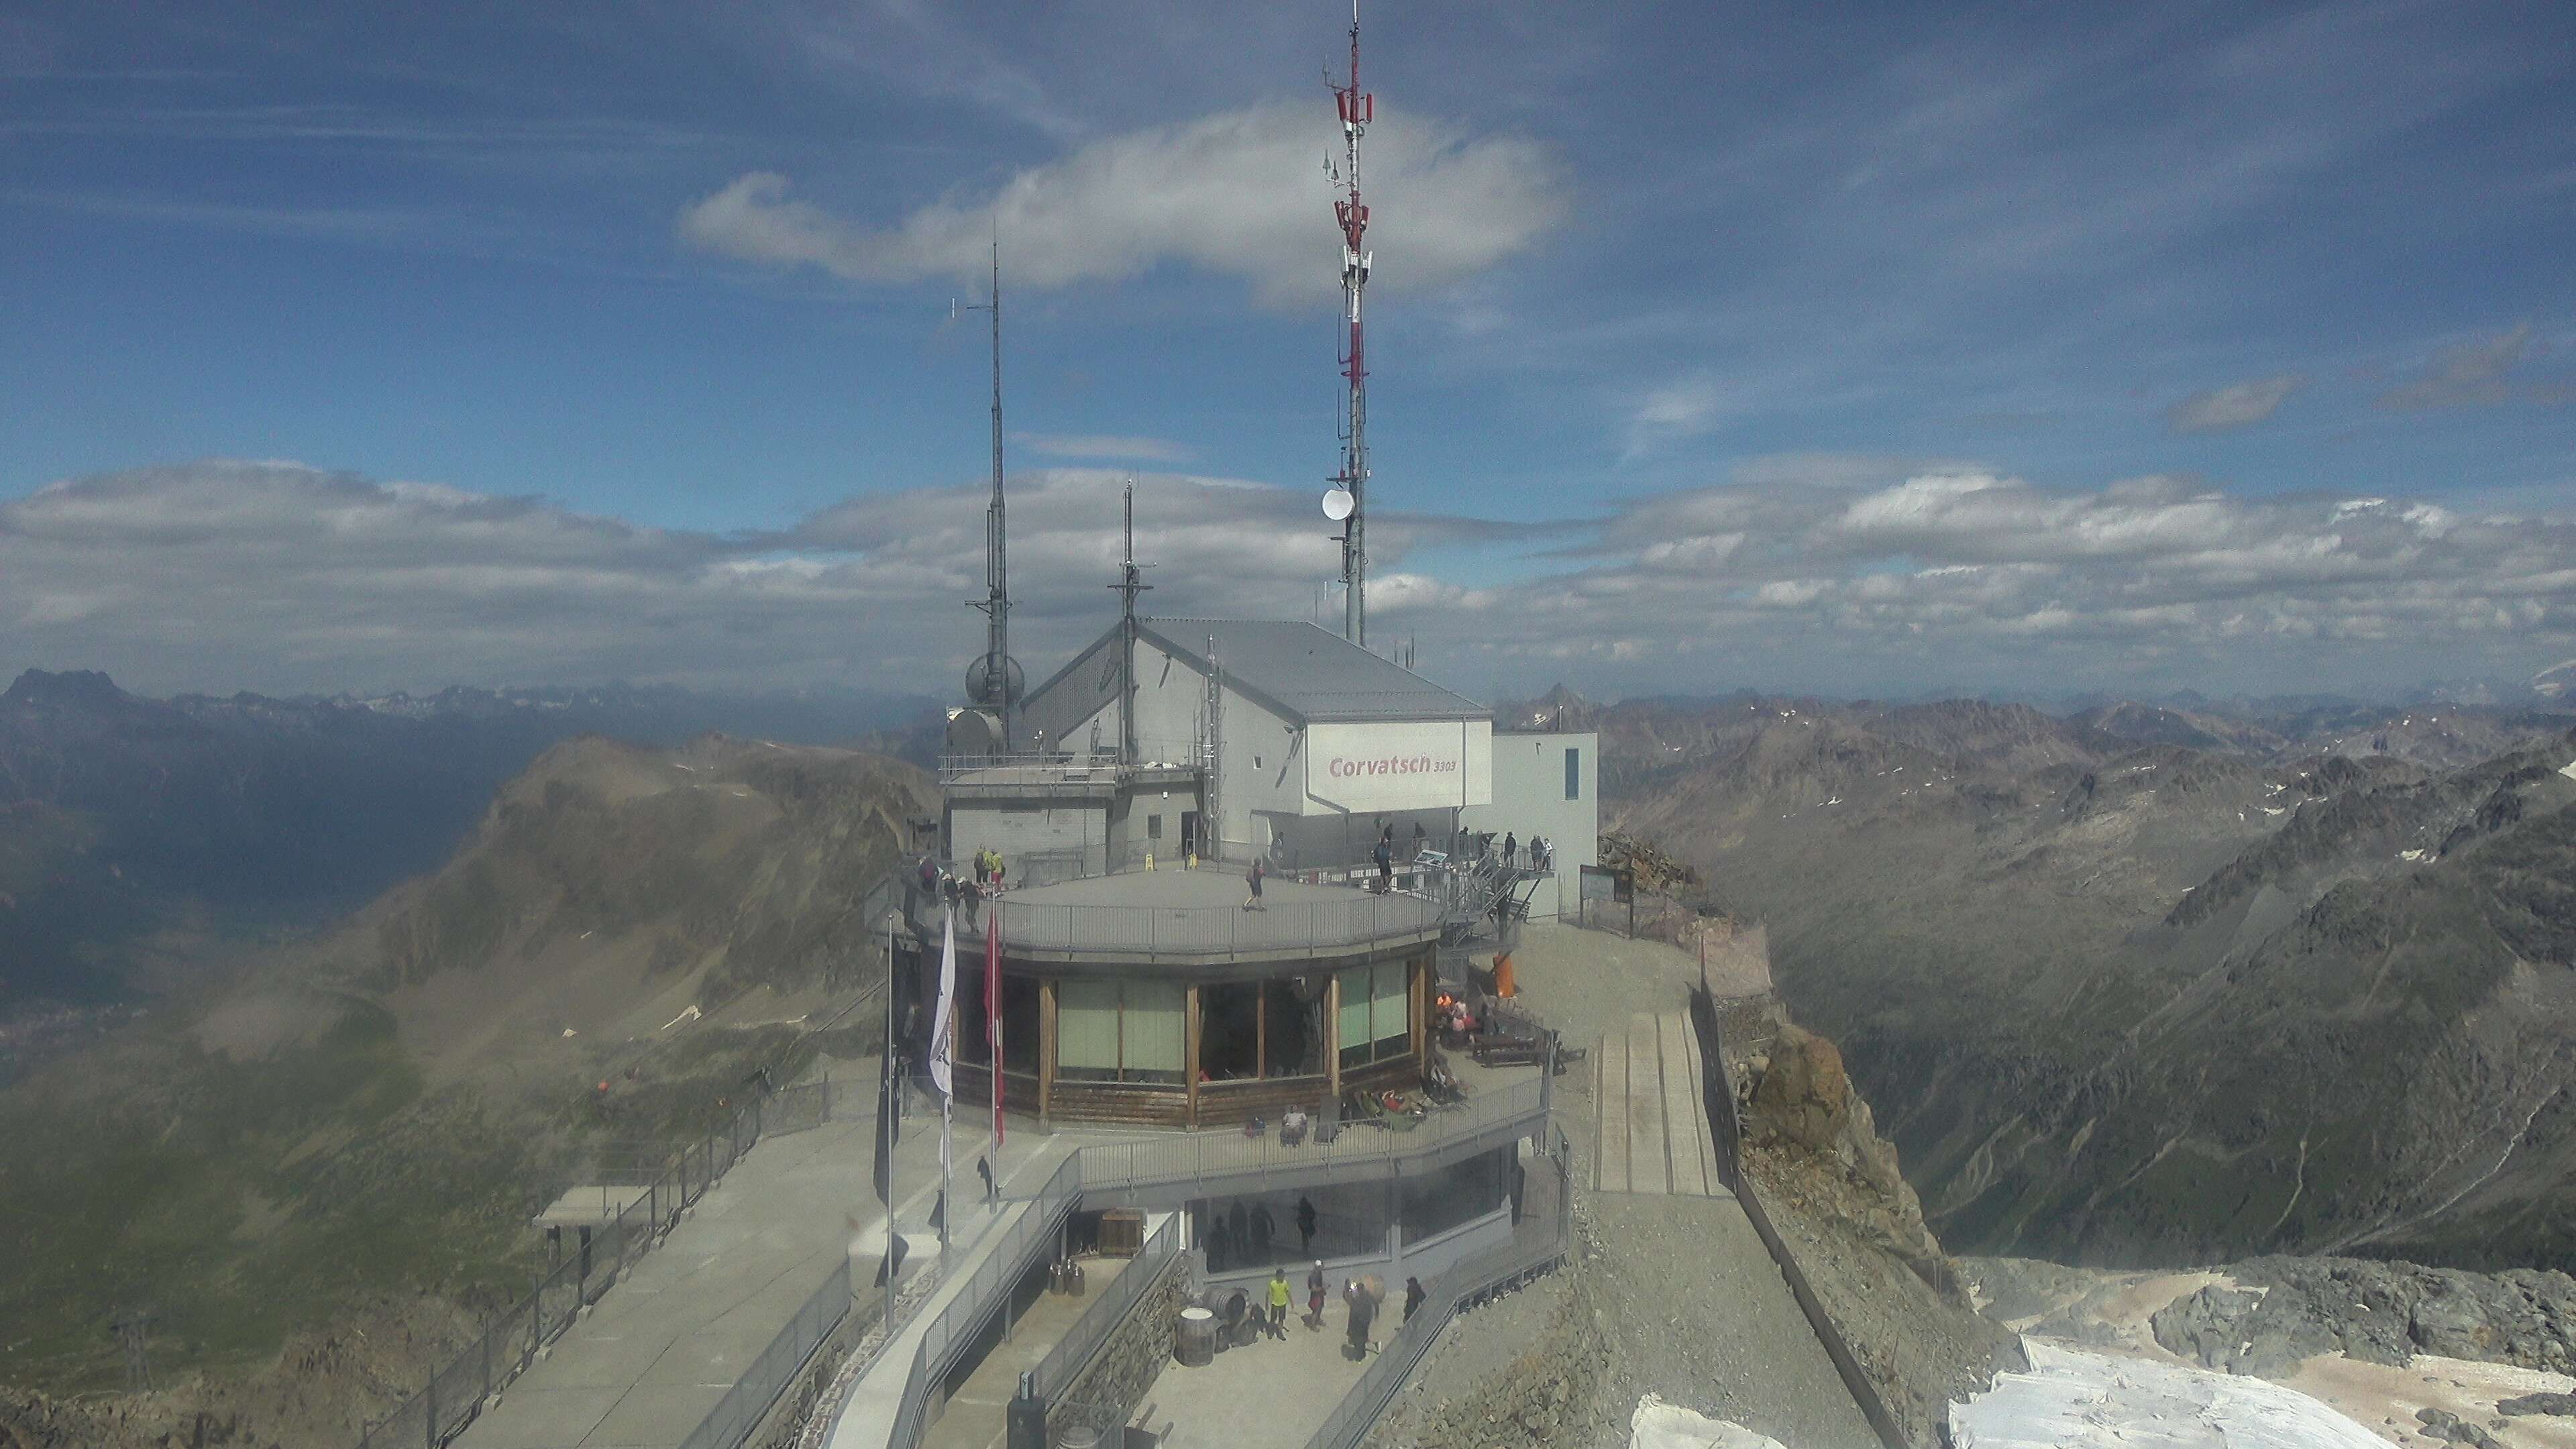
1077 1436
1196 1345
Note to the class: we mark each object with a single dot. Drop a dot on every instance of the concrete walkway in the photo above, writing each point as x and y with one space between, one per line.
977 1414
662 1348
1266 1394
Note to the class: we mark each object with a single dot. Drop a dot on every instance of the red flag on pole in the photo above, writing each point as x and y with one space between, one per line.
993 1008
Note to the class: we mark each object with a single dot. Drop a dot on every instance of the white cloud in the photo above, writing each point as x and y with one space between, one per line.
1686 407
281 577
1238 193
2237 405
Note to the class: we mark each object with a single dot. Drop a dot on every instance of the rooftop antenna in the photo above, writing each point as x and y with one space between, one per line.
994 681
1347 501
1131 582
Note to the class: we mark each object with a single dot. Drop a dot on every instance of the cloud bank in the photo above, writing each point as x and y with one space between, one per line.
1238 194
1854 579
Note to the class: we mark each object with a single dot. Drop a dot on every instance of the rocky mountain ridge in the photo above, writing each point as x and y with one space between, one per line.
2129 1002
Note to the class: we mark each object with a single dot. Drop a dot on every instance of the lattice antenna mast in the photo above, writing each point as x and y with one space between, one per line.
991 682
1358 108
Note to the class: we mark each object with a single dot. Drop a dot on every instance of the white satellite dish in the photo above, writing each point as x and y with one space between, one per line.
1339 504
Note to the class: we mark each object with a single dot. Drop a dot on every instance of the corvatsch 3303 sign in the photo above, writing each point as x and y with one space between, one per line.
1424 765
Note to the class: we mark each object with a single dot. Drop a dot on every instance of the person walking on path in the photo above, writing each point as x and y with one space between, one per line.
1413 1296
1252 878
1276 1326
1315 1296
1362 1309
1306 1234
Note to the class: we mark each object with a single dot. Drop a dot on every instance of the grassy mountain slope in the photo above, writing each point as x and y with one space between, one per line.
359 1126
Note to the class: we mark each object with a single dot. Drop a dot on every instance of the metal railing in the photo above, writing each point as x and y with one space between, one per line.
1072 1353
1360 1151
1532 1251
458 1389
990 1284
748 1401
1201 931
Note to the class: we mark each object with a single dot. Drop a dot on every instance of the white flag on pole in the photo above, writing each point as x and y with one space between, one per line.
942 1052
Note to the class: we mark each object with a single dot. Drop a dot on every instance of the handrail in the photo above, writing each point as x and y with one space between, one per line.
985 1289
749 1400
1463 1285
1072 1353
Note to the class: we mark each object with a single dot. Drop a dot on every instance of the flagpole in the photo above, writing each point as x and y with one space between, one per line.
993 1015
887 1099
943 1066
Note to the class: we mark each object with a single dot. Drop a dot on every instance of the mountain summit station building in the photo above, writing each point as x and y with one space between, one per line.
1139 983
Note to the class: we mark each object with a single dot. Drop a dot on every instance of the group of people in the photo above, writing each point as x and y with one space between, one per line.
1359 1301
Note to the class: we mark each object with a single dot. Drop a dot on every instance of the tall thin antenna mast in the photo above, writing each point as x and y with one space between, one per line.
1357 109
991 683
1131 582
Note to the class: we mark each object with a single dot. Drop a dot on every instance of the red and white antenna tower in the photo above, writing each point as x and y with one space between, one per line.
1348 501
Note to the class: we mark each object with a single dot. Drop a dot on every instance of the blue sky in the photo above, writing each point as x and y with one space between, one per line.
1997 346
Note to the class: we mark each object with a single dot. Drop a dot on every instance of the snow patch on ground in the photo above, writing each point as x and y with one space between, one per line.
2073 1399
1658 1425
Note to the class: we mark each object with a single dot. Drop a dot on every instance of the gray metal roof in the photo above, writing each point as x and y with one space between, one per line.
1309 673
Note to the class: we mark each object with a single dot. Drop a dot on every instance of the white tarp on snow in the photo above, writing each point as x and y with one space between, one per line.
2076 1400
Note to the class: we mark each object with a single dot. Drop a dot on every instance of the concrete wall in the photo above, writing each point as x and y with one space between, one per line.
1529 799
1017 829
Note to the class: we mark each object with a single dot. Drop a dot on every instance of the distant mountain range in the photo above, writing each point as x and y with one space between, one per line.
2152 984
123 818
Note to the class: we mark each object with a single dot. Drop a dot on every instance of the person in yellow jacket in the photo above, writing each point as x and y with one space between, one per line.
1277 1324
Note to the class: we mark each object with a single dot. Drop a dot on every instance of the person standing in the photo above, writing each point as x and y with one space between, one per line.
1385 867
1413 1296
1306 1235
1315 1296
1276 1326
1363 1308
1511 850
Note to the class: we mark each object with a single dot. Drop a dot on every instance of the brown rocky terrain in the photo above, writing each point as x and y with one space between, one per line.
1676 1296
2158 1003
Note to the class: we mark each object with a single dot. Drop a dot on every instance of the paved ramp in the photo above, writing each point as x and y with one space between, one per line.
1653 1137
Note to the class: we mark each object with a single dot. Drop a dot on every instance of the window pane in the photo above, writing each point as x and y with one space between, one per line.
1086 1029
1229 1030
1354 1023
1156 1031
1392 1021
1574 774
1020 1024
1296 1027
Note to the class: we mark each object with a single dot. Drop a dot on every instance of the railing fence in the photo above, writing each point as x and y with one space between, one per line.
1531 1252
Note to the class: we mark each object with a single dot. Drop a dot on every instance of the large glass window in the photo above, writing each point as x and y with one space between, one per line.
1120 1031
1020 1024
1230 1031
1375 1023
1573 774
1293 1018
1154 1031
1086 1030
